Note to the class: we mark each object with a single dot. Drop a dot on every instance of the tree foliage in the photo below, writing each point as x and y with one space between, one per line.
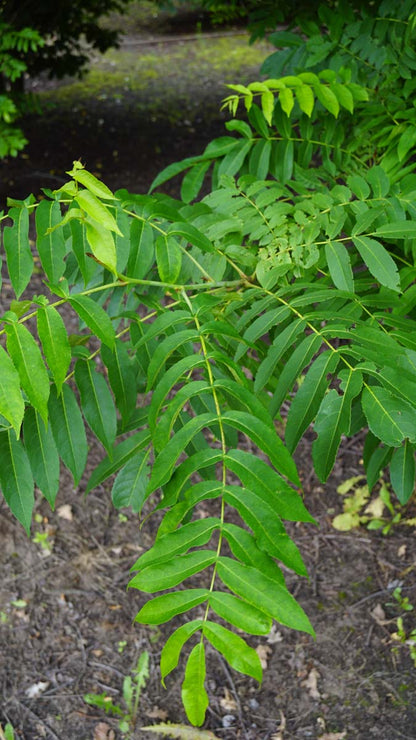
287 293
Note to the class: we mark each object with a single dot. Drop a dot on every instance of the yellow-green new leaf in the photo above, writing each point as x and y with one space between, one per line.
93 207
90 182
102 244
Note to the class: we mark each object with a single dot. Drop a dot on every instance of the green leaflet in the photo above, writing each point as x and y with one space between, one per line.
169 574
16 479
42 454
397 230
193 534
161 325
389 417
100 213
18 253
261 326
233 161
122 378
327 97
55 343
260 159
28 361
192 235
308 398
96 403
244 397
168 380
51 246
90 182
196 462
68 430
168 259
193 180
266 439
142 252
163 608
402 471
235 650
120 455
166 460
332 421
95 318
165 349
102 244
256 475
171 651
301 357
339 266
80 247
243 545
12 406
266 526
263 593
378 261
164 428
239 613
282 342
194 696
129 487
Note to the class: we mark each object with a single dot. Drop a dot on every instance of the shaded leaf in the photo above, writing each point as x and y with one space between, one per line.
68 430
16 479
129 488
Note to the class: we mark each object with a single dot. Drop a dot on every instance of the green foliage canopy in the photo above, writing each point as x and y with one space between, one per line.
287 292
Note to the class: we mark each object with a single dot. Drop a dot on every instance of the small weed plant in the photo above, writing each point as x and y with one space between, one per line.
196 319
132 688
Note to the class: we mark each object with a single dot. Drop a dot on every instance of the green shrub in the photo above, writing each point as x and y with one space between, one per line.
287 292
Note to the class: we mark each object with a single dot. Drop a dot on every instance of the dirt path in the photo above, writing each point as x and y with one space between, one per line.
66 621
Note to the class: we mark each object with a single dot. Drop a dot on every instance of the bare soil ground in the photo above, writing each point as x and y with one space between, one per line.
66 620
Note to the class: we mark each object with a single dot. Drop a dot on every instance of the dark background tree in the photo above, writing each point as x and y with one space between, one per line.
69 27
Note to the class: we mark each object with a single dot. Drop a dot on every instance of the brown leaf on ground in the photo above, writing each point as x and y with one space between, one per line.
263 651
311 683
103 731
333 736
228 702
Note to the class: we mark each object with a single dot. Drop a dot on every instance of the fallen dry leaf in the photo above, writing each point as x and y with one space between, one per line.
157 713
227 702
36 689
379 614
274 636
65 512
333 736
182 732
279 735
311 683
402 551
263 651
103 731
